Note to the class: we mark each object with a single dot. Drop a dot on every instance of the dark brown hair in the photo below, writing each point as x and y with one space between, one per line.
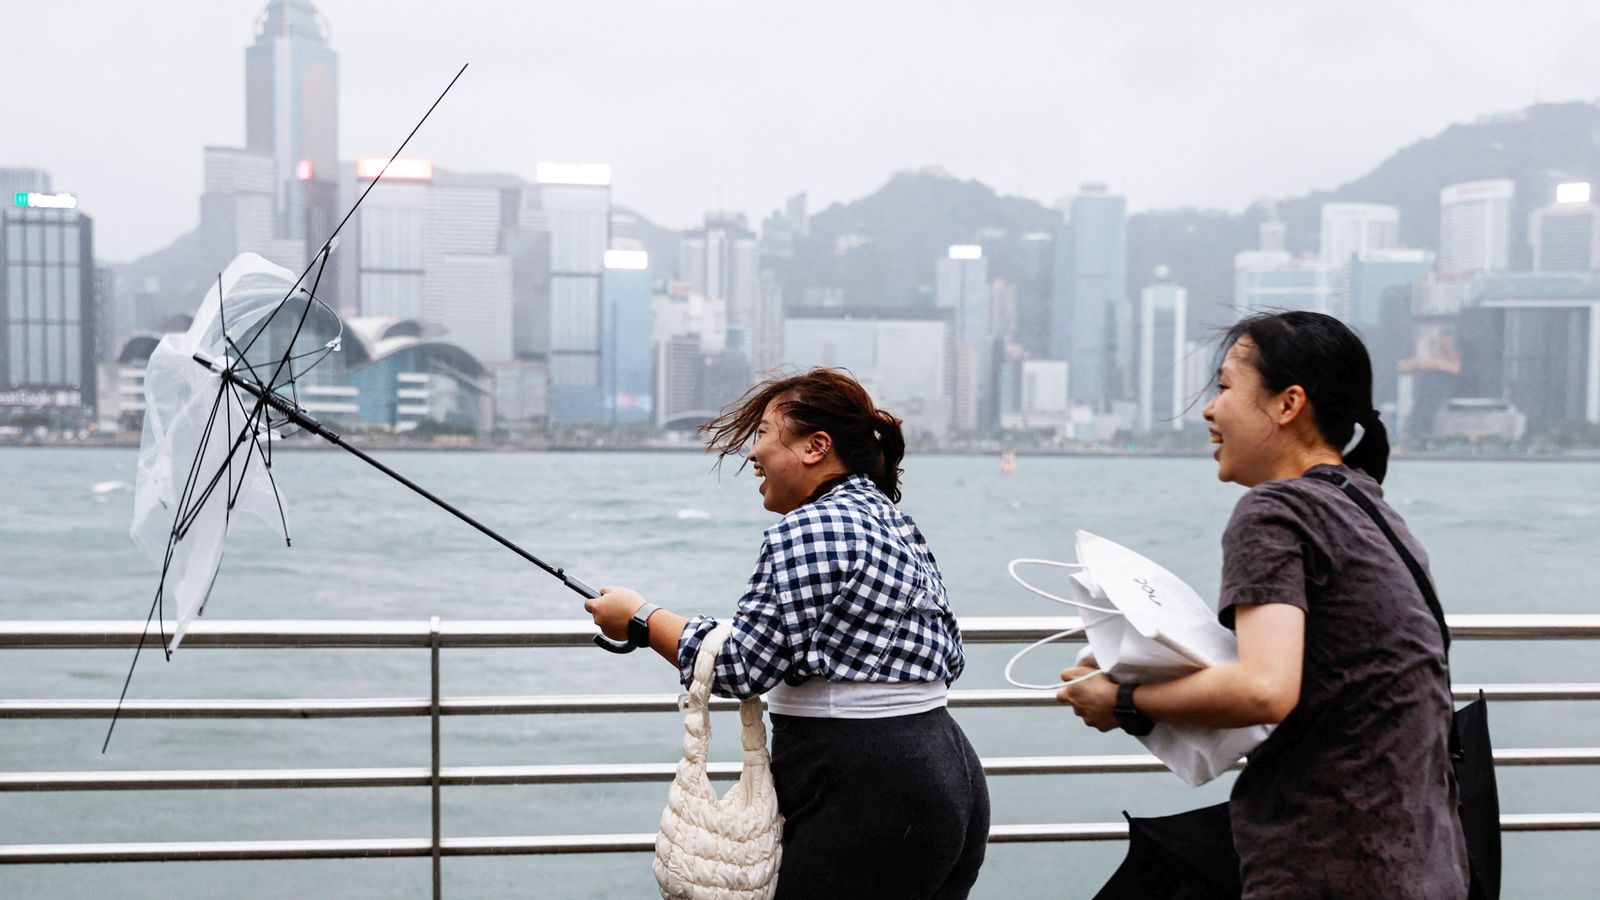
866 440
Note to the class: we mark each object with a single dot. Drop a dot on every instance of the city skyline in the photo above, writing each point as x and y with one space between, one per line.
1285 120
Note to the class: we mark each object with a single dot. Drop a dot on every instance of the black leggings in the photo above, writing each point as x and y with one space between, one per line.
878 809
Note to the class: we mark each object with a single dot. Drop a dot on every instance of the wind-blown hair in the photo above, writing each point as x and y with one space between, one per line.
1327 360
867 440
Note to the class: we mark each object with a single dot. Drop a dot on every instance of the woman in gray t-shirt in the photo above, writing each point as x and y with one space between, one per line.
1353 794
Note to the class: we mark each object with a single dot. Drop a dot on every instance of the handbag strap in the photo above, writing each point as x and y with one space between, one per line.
696 708
1425 584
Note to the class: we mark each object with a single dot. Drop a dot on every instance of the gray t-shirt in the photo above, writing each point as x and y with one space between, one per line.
1353 794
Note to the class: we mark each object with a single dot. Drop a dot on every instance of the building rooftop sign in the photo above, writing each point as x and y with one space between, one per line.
36 200
966 251
1573 192
402 169
627 259
598 174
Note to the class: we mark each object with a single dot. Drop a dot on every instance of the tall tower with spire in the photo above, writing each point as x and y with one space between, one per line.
292 115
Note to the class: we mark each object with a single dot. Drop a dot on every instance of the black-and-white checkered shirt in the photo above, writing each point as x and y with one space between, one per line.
845 589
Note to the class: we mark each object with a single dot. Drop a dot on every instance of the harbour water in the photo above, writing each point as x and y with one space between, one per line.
1503 537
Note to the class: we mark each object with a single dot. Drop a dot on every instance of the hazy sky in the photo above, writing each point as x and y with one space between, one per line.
738 104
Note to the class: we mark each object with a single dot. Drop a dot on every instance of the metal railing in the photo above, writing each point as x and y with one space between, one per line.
436 636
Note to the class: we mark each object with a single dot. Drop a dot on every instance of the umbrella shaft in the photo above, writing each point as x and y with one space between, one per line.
298 416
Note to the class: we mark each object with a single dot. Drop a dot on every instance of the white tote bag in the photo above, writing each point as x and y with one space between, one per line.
710 848
1144 624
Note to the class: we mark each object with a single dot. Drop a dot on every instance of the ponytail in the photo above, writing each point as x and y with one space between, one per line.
1371 451
891 450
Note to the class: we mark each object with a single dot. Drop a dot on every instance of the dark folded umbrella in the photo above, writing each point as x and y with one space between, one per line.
1188 856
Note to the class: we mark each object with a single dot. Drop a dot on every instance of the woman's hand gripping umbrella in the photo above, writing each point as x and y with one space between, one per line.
216 396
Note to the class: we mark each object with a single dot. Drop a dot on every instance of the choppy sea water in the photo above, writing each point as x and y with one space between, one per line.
1503 537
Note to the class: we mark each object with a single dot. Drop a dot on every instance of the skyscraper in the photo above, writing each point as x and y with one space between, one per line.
1163 341
237 213
391 236
898 355
14 181
47 308
1092 319
1475 226
1372 273
1566 234
625 360
576 202
722 261
292 112
1347 230
467 287
962 287
1034 292
1271 278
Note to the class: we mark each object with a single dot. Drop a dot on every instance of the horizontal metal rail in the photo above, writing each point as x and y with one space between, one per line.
597 773
389 707
202 851
19 634
416 634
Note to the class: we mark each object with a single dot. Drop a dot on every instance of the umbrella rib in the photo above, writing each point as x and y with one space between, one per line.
227 408
166 565
271 480
211 486
128 679
322 265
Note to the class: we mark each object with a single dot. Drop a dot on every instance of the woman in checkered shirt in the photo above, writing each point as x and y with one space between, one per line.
847 628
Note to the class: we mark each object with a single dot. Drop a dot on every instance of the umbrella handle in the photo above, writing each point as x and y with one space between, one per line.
1012 569
589 593
1036 645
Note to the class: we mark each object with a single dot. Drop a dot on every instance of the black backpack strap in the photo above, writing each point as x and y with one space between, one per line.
1340 481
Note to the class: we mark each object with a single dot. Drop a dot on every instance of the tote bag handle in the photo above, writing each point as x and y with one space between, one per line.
696 708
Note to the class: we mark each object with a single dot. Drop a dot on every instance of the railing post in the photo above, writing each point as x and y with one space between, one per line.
433 693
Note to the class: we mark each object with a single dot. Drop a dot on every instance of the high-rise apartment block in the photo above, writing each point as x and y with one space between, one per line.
1475 226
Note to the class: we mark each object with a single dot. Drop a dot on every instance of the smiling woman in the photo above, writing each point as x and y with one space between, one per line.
847 628
1353 794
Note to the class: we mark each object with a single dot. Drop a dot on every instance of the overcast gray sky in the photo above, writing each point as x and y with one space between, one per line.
703 104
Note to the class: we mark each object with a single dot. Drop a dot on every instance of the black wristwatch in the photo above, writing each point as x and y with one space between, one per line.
639 625
1128 716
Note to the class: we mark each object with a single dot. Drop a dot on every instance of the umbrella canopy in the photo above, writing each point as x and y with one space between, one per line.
204 454
1189 856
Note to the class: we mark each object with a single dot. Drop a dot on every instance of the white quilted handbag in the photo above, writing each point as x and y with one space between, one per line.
711 849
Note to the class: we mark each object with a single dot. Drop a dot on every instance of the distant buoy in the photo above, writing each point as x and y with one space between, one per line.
1008 462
